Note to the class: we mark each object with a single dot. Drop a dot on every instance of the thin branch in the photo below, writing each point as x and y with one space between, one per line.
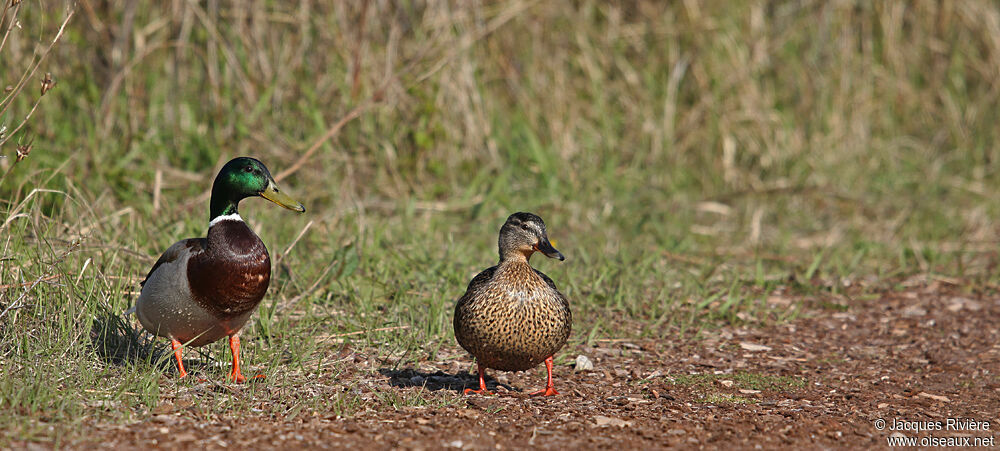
358 41
17 303
360 332
13 20
330 133
19 126
298 237
31 72
315 284
24 284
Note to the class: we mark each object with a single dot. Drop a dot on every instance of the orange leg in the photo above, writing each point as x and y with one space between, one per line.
482 383
549 389
236 375
234 346
177 347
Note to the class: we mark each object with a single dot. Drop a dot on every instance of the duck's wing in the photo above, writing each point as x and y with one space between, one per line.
191 246
477 283
552 285
566 314
463 309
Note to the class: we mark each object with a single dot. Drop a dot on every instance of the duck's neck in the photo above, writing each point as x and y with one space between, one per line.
516 273
225 200
222 205
515 257
224 209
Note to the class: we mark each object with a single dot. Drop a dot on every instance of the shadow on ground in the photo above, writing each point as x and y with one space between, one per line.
117 342
439 380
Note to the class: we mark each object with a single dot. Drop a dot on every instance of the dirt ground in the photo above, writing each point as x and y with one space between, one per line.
822 380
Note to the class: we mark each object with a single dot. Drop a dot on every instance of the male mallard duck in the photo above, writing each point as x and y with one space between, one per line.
512 317
202 289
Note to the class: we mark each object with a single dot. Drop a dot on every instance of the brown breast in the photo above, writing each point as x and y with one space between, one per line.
231 276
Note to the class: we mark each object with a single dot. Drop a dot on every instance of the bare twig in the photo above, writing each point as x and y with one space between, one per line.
13 20
24 284
330 133
360 332
31 72
311 288
294 242
18 304
358 43
157 186
298 237
47 84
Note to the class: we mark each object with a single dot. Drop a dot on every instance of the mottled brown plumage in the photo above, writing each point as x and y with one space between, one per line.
512 317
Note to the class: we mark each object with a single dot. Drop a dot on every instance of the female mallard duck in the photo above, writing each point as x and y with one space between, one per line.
203 289
512 317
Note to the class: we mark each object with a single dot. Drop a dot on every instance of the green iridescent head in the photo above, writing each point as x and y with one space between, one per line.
245 177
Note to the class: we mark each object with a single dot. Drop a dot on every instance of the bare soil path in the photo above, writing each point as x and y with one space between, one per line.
826 379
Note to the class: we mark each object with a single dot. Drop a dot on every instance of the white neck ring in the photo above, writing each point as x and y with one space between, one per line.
230 217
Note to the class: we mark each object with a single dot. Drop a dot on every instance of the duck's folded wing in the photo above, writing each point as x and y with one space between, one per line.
477 283
552 285
189 246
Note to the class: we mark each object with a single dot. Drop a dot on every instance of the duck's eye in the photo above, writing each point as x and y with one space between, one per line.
524 226
248 169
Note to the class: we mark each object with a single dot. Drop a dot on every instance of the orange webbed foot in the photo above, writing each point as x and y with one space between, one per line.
239 378
548 391
481 391
549 388
482 384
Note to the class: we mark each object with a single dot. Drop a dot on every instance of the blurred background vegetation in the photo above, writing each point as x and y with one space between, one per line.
692 159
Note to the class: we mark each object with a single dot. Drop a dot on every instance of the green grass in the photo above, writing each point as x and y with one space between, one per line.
725 398
688 162
741 380
420 398
712 392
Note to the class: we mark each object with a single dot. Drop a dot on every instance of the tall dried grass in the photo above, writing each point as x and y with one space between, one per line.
17 77
742 96
793 124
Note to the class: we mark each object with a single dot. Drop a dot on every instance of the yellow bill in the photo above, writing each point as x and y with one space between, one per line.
273 194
